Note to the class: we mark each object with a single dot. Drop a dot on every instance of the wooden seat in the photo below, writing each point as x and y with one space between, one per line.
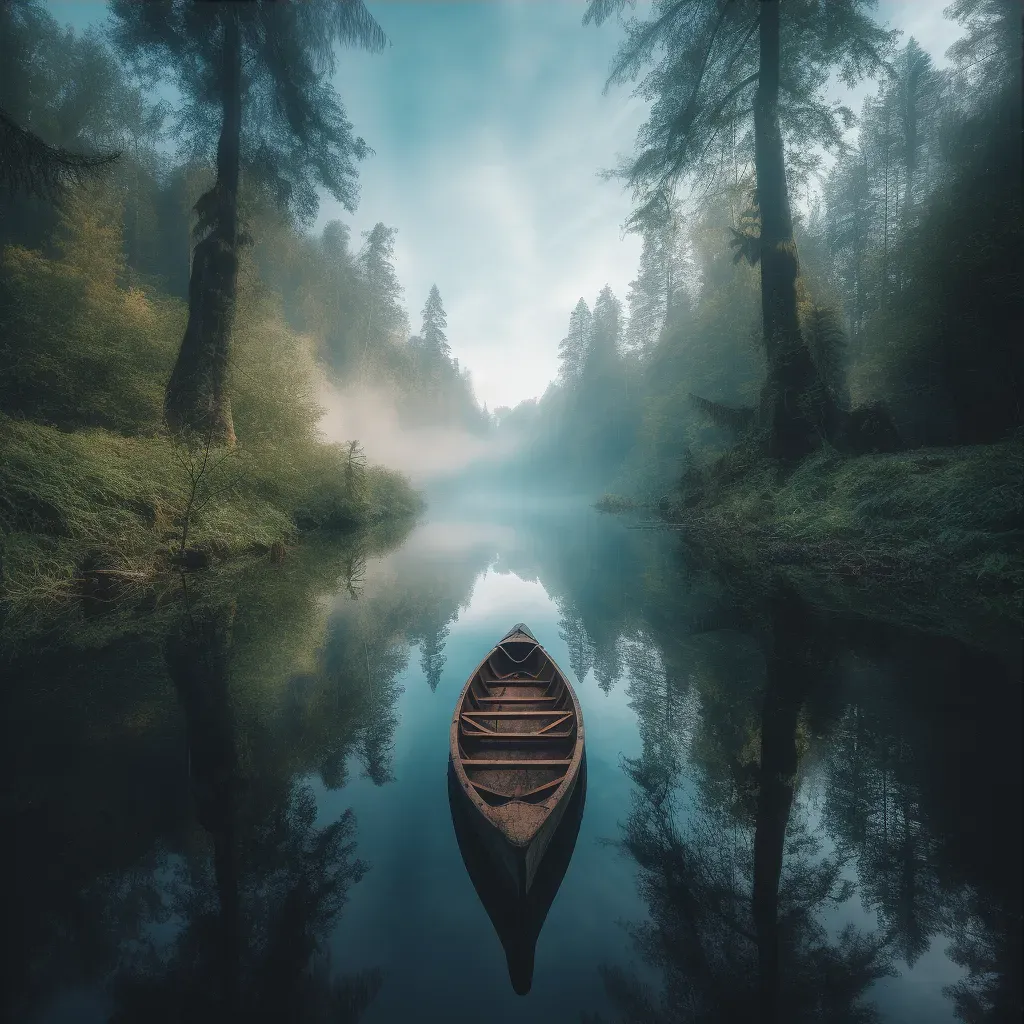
504 765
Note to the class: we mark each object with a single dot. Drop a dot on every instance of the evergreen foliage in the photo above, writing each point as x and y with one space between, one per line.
572 349
910 294
432 333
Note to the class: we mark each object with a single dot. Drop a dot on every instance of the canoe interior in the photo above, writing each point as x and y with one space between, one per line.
518 725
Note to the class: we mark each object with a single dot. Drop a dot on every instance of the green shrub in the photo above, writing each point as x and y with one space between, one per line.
88 476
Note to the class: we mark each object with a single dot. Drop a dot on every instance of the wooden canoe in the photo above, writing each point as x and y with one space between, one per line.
517 917
516 748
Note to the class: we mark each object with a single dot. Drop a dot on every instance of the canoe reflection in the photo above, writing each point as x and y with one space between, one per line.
517 916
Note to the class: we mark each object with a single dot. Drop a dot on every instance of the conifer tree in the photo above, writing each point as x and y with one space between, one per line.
383 317
435 341
659 286
717 76
572 349
254 78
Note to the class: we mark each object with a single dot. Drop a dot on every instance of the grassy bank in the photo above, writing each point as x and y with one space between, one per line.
93 492
922 537
77 506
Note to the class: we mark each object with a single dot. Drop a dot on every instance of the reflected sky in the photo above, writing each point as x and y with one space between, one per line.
416 914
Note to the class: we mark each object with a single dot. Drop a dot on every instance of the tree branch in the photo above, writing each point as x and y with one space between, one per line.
689 111
29 164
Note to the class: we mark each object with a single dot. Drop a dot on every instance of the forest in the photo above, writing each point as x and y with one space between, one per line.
156 408
766 514
817 348
821 347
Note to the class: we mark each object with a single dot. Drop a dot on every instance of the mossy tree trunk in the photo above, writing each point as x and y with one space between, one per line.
197 401
793 403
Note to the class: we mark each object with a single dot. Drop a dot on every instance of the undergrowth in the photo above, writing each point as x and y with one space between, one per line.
93 496
909 519
89 480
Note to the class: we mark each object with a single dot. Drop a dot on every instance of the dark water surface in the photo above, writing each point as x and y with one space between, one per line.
232 804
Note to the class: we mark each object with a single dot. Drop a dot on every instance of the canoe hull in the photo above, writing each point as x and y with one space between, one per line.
516 747
518 864
517 916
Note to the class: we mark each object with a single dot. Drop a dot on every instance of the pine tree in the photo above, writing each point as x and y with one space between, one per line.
383 318
716 75
572 349
605 338
435 341
254 77
659 288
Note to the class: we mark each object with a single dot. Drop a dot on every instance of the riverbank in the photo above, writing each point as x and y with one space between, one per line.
94 513
932 526
96 499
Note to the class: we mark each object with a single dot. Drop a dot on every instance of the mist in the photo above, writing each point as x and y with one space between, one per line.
425 454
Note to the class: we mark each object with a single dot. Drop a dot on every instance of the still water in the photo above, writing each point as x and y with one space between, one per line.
232 802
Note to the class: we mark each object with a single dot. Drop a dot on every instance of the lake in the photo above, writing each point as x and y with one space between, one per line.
230 800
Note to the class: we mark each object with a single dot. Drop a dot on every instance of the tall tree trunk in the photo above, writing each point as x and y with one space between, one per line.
793 402
197 400
910 163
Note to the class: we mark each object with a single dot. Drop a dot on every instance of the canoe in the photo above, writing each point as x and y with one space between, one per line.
517 917
516 748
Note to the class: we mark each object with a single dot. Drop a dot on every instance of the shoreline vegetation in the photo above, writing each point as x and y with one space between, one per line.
929 536
872 453
97 497
169 319
96 494
93 514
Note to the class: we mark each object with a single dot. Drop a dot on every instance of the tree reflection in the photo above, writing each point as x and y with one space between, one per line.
872 809
581 648
924 799
432 659
735 887
253 923
789 743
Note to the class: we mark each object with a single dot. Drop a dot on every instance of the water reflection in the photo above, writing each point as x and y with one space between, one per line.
212 798
746 884
250 932
170 863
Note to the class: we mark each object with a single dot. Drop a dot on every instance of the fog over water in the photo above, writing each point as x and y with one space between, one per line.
424 453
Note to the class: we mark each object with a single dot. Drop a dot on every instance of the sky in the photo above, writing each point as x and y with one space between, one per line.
489 126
